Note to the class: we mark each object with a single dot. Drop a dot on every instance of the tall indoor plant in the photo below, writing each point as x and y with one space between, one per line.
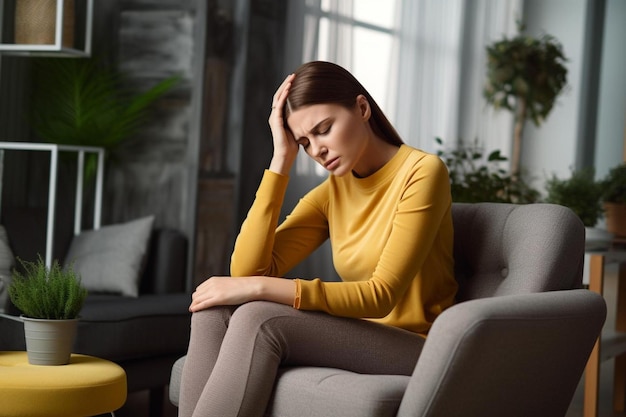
50 300
525 75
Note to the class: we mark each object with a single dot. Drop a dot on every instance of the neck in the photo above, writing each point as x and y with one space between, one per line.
377 154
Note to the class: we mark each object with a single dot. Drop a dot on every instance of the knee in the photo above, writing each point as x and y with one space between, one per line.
211 316
257 314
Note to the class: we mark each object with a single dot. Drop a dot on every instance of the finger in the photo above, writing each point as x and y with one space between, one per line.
199 304
282 92
281 87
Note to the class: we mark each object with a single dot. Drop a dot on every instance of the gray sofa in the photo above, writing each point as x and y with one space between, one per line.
144 334
515 344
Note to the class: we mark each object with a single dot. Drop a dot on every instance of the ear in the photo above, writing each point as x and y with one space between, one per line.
363 106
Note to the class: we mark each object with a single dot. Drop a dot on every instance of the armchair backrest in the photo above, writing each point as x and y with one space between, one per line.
506 249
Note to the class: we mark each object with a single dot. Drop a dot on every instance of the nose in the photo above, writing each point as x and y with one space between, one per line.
317 149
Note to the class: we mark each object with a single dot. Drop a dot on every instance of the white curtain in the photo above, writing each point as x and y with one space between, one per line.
441 63
433 73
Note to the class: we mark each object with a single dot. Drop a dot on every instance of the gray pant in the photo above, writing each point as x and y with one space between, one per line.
235 352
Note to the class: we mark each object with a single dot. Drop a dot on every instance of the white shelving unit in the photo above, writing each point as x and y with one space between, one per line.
56 49
54 150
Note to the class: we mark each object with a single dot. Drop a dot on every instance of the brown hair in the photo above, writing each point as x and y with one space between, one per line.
320 82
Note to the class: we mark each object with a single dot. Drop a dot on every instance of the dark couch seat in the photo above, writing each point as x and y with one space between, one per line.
122 328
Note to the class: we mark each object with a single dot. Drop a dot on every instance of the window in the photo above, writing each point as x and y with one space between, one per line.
359 35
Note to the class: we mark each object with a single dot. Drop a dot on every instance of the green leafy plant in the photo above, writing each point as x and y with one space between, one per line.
525 75
47 293
476 177
83 102
581 193
614 185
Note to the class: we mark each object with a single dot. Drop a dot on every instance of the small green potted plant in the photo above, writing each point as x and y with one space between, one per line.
614 198
476 177
581 193
50 300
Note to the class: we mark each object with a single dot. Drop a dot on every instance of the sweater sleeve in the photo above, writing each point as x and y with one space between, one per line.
263 249
416 226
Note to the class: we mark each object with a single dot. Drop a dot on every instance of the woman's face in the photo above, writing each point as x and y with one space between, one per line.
334 136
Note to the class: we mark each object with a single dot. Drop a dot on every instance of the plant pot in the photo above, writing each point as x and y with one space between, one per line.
49 342
615 214
35 22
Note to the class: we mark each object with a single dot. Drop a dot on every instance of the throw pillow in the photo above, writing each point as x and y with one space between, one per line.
111 259
6 262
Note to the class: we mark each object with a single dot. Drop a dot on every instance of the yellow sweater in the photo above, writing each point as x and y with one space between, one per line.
391 236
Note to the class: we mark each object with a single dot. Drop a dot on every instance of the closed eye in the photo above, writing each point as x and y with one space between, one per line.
323 130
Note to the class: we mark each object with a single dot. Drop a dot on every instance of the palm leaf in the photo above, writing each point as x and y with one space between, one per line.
79 102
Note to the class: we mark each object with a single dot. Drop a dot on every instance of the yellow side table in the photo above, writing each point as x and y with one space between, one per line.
87 386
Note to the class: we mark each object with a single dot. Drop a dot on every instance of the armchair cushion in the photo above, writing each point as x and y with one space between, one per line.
321 392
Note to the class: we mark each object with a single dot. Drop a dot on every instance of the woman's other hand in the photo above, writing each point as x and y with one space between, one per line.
219 291
285 146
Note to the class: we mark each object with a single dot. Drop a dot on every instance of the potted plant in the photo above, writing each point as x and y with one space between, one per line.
50 300
525 75
476 177
581 193
614 198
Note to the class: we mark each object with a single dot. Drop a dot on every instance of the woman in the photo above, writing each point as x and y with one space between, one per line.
386 209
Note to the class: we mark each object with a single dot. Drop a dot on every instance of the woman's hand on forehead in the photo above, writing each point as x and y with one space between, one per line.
285 146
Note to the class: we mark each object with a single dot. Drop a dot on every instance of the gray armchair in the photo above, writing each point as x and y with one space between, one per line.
515 344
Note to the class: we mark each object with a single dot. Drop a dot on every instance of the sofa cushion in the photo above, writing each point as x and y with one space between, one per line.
111 259
121 328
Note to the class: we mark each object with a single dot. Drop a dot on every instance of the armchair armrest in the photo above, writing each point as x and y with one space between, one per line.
497 356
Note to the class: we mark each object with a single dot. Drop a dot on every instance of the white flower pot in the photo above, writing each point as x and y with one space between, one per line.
49 342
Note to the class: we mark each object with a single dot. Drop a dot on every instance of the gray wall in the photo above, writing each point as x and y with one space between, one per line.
586 126
611 127
552 147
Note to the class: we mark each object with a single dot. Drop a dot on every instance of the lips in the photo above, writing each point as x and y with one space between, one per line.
332 164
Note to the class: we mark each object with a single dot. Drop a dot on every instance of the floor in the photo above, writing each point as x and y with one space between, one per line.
137 406
606 369
606 395
137 403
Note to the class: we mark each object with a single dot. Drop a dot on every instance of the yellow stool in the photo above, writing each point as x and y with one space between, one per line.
87 386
